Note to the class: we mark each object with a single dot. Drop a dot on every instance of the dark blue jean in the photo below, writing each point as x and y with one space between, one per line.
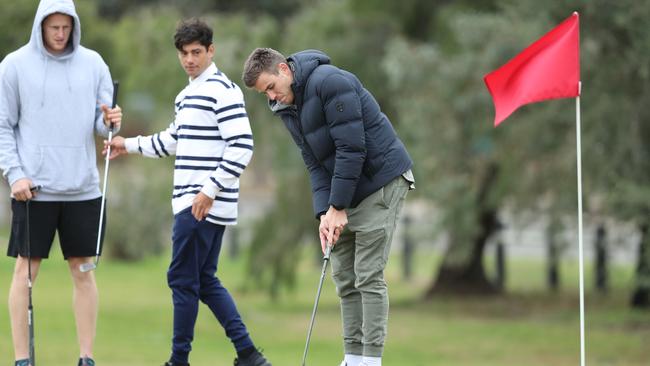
191 277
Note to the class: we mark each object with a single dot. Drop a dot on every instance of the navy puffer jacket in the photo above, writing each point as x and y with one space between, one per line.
349 146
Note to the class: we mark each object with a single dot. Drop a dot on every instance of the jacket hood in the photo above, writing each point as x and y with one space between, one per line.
46 8
303 64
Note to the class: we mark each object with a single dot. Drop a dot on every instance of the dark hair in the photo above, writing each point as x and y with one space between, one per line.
259 61
190 31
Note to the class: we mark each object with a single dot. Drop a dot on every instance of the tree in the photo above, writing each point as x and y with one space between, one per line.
277 8
617 149
350 42
472 171
16 20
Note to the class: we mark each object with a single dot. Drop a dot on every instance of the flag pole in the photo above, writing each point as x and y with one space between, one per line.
580 251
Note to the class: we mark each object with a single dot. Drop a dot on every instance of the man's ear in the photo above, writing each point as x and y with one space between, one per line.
284 68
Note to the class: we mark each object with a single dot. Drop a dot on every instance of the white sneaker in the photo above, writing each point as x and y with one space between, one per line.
352 360
372 362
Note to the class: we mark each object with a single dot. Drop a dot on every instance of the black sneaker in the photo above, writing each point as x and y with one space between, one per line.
171 363
86 361
254 359
24 362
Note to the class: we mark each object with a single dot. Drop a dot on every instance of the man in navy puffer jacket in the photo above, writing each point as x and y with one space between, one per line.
360 173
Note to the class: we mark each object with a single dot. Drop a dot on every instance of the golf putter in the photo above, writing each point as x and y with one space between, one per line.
30 307
87 267
326 260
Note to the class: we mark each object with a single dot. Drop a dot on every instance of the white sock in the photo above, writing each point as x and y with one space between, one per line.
353 360
372 361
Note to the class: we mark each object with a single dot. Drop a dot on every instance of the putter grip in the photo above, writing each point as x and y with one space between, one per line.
116 87
328 252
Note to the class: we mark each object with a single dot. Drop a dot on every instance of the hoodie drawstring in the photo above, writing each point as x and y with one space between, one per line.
67 74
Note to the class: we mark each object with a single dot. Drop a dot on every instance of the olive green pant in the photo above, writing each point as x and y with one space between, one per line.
358 261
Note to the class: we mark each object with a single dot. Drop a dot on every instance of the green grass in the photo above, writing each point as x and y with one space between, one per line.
528 326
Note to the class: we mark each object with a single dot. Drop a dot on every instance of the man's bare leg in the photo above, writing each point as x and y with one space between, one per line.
85 301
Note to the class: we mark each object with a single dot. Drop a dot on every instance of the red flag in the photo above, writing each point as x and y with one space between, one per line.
547 69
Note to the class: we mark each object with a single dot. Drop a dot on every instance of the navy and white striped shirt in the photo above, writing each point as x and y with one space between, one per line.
212 140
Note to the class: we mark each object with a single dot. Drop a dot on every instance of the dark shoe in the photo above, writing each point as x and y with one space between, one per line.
86 361
24 362
171 363
254 359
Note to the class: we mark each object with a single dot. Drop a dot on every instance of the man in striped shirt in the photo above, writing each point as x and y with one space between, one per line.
212 140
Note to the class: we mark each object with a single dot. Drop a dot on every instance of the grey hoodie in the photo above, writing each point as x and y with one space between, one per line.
49 112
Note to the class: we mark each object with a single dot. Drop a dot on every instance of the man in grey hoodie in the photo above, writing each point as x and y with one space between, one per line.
53 100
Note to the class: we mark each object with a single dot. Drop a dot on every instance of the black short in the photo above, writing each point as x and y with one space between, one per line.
76 222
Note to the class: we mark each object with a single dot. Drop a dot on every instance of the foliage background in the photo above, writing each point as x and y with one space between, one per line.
424 62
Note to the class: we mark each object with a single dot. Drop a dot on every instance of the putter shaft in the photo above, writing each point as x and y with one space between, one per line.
87 267
326 260
30 307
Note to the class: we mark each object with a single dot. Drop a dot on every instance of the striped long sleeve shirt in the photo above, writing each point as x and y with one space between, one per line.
212 140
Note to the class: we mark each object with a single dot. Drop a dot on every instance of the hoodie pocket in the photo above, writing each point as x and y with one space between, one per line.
63 169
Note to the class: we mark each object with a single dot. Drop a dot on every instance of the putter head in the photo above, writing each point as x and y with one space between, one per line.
87 267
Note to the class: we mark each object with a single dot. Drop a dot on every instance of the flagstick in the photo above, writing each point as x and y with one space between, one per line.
582 280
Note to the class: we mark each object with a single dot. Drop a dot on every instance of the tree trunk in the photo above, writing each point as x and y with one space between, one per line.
601 259
469 277
553 255
500 278
408 250
641 295
553 267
